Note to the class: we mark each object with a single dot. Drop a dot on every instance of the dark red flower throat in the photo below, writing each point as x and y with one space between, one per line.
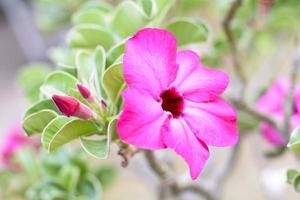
172 101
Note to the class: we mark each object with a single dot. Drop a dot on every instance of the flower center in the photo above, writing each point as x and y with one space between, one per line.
172 102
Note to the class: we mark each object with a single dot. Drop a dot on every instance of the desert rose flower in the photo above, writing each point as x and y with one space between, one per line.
13 141
173 101
272 102
70 106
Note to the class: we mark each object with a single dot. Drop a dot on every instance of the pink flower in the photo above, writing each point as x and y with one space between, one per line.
13 141
173 101
272 102
70 106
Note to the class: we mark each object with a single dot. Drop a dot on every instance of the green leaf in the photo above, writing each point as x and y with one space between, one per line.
148 6
162 8
62 55
41 105
36 122
113 82
92 187
90 67
291 175
52 128
90 36
107 175
101 6
96 148
100 148
89 16
297 183
115 52
294 142
69 177
63 130
112 128
127 19
58 82
31 77
188 31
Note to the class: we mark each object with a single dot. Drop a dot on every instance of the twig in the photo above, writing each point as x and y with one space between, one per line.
231 40
155 165
255 113
227 168
171 182
289 100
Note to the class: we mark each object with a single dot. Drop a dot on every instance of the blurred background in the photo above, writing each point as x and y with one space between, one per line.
28 29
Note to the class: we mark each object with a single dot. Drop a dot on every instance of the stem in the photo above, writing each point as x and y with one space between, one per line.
171 182
289 100
231 40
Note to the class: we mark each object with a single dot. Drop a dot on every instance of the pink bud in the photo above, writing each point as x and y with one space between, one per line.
70 106
103 103
85 92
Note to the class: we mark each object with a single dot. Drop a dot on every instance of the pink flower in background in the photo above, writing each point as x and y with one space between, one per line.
272 102
12 142
173 101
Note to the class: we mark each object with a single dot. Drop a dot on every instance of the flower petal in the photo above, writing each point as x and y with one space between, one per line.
141 120
214 122
178 136
196 82
272 135
273 99
150 60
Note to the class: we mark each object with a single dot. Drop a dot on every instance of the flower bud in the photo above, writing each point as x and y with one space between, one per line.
70 106
103 103
85 92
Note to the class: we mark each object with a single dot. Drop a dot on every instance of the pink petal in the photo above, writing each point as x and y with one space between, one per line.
141 120
272 135
297 99
178 136
150 60
196 82
295 122
214 122
273 99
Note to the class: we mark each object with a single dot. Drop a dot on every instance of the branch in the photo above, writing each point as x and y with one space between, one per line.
170 181
155 165
255 113
289 100
231 40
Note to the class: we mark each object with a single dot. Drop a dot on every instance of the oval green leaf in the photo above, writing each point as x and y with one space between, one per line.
127 19
188 31
58 82
36 122
90 36
69 131
294 142
113 82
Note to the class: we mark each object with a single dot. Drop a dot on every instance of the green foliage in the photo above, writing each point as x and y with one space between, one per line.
54 14
294 143
31 77
58 82
113 82
90 36
62 130
293 178
188 31
59 175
